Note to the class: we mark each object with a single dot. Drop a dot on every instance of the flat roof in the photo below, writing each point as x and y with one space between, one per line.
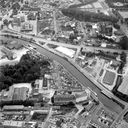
13 123
12 107
124 14
123 124
66 51
123 88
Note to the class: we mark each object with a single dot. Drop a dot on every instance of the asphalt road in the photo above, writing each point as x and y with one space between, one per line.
81 78
109 103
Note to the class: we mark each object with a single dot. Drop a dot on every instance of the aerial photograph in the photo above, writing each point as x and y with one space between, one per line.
63 63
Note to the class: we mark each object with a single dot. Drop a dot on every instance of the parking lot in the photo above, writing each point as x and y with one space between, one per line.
15 117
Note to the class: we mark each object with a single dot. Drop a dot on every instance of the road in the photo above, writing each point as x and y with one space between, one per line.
62 44
109 103
104 90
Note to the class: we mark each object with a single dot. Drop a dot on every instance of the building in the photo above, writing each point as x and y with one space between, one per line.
30 124
122 124
83 97
35 10
26 27
115 63
14 45
20 94
45 83
9 54
122 15
16 21
19 91
13 108
13 124
25 9
123 88
63 99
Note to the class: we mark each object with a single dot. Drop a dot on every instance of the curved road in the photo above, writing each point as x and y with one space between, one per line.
81 78
109 103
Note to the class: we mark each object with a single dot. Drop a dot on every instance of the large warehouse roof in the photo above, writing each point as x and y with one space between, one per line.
66 51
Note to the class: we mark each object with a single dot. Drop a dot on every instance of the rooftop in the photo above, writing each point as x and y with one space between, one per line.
20 93
124 14
123 88
66 51
13 107
123 124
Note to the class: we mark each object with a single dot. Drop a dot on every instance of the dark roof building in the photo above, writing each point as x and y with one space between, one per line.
63 99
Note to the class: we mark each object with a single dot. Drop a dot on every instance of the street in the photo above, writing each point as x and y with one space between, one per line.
109 103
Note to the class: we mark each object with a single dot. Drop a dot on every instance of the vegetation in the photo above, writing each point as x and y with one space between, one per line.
124 43
101 37
15 7
31 16
117 26
6 22
120 79
27 70
87 16
123 62
39 116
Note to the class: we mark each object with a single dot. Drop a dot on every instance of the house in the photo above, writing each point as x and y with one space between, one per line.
81 98
115 63
35 10
109 78
25 9
26 27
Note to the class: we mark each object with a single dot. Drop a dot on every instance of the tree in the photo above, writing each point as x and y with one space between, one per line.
16 6
124 43
117 26
6 22
22 1
87 16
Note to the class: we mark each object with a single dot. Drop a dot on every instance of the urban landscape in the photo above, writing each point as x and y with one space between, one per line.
63 63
